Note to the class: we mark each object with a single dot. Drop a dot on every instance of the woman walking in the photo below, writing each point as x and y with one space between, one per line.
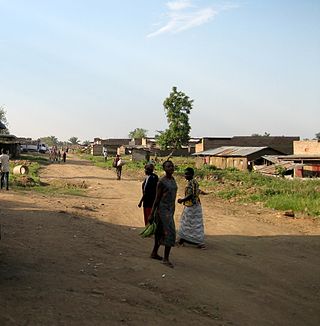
117 163
162 211
191 224
149 189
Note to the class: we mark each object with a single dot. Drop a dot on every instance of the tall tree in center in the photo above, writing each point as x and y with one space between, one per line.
177 107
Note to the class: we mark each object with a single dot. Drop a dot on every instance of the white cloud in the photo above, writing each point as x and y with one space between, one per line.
183 15
178 5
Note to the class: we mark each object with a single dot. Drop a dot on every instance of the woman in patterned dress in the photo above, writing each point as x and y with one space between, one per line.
163 211
191 224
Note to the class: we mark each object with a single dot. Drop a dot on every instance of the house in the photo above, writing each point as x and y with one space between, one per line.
239 157
280 143
112 145
307 155
11 143
304 162
273 165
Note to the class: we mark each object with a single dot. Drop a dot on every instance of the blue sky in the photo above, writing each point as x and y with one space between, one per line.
102 68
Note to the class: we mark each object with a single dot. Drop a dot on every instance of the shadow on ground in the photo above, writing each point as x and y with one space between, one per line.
64 269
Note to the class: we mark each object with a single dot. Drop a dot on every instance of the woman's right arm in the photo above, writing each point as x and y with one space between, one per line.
157 200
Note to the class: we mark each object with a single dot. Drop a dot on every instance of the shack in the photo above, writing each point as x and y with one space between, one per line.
11 143
241 158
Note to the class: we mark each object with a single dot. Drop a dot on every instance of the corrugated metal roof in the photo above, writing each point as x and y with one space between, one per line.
272 169
230 151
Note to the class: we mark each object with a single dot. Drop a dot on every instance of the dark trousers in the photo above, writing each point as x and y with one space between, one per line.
5 176
119 170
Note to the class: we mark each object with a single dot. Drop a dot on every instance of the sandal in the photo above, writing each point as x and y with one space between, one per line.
167 263
202 246
157 257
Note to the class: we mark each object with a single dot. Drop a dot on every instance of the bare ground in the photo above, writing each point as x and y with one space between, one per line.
68 260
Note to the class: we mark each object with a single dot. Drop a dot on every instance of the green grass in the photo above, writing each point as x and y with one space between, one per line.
300 195
31 181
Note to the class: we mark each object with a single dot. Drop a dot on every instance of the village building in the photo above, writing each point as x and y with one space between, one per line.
10 143
303 163
307 156
112 145
282 144
239 157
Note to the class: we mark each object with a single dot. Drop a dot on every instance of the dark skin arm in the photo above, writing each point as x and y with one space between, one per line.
182 200
157 200
141 201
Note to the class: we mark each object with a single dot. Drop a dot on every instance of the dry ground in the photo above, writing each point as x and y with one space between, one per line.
67 260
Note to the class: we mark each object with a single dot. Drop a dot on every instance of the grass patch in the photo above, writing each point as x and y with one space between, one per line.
300 195
31 181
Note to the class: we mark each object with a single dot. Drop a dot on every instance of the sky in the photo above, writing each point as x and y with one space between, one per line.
100 68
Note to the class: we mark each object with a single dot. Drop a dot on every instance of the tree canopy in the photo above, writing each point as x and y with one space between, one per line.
138 133
317 135
266 134
86 142
4 120
177 108
50 140
74 140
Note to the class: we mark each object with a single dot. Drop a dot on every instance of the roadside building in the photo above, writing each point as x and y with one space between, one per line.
239 157
112 145
307 155
282 144
10 143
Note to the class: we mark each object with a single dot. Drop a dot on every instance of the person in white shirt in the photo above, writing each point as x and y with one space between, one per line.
5 168
105 153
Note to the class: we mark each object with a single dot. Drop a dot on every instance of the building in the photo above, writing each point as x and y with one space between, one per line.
307 155
280 143
10 143
112 145
239 157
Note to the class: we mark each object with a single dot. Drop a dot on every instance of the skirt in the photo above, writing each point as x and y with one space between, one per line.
191 225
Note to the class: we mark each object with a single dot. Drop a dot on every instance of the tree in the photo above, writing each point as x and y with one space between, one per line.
86 142
266 134
138 133
177 107
3 119
74 141
318 135
50 140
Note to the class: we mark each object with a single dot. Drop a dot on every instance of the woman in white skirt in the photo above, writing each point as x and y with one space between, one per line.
191 224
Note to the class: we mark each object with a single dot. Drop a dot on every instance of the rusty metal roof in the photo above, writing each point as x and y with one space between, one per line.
230 151
272 169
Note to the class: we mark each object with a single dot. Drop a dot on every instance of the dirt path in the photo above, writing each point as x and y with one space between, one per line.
68 260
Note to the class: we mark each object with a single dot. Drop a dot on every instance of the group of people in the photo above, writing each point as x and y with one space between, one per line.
158 201
56 156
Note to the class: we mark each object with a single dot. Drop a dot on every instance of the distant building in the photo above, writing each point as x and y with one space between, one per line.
10 143
112 145
282 144
303 163
307 154
239 157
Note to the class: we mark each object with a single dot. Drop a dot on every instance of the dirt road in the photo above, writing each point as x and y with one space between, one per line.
68 260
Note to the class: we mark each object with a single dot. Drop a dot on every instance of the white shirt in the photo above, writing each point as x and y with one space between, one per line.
4 160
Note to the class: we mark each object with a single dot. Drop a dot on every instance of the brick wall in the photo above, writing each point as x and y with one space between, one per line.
309 147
